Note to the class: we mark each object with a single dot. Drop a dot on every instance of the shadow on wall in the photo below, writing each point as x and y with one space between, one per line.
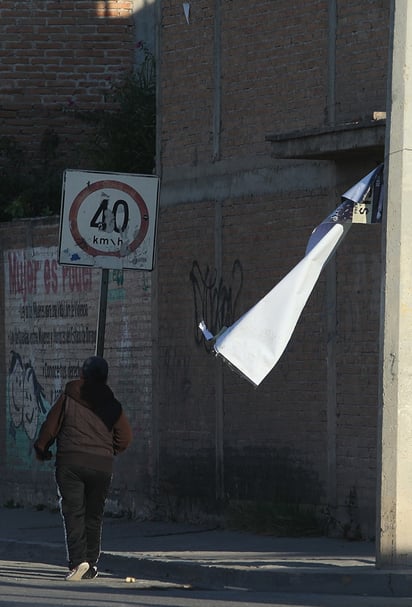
282 478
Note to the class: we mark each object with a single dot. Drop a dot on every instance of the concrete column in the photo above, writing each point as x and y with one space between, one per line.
394 532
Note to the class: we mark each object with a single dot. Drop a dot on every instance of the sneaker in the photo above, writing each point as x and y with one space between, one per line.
91 573
78 572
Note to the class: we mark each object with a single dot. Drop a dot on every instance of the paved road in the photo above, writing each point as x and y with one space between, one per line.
25 583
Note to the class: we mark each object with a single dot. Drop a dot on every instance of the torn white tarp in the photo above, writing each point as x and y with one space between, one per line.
256 341
254 344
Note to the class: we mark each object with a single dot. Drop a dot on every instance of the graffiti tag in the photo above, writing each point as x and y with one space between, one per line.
214 301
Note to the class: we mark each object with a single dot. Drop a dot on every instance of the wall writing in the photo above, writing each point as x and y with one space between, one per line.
214 300
50 328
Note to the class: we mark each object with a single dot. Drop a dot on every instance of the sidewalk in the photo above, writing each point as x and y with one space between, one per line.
210 558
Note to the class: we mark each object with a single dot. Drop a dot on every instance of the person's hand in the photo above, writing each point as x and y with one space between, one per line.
41 455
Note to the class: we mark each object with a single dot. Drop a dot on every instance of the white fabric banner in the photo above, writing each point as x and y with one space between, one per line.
254 343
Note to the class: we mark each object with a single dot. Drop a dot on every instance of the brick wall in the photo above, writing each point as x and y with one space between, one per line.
273 59
361 58
56 57
308 433
275 438
358 297
50 323
236 221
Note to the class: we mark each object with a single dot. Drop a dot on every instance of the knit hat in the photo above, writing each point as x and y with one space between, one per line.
95 368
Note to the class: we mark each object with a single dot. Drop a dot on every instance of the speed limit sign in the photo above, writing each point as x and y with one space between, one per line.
108 220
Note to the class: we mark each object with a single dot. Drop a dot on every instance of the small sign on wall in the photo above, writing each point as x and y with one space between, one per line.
108 220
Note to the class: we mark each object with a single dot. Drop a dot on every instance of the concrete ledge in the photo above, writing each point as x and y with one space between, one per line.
242 177
332 143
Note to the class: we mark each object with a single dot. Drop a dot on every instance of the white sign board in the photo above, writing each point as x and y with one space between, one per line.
108 220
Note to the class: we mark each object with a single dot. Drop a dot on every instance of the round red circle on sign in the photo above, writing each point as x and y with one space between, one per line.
102 185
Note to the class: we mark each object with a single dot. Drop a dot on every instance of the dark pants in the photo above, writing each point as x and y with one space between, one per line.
83 493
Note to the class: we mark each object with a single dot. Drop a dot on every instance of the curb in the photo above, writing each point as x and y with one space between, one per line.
348 581
345 582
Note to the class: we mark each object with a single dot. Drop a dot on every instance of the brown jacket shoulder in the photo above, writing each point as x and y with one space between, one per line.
49 431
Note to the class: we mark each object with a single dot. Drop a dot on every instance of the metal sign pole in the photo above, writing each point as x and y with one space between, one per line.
101 319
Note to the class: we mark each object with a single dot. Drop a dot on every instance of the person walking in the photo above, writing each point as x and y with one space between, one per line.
90 428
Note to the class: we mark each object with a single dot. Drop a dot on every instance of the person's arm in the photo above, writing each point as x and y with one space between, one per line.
49 430
122 434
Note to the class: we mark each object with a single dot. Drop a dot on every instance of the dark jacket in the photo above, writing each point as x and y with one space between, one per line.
89 425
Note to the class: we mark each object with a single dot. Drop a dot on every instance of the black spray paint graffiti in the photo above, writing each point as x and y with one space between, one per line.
26 397
214 302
